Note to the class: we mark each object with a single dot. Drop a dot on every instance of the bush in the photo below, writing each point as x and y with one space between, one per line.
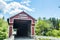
43 39
54 33
3 29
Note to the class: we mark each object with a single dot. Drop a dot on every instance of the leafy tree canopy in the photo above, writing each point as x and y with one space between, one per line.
48 27
3 29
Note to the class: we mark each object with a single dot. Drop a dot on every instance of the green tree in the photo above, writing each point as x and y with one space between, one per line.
55 23
37 30
48 27
3 29
42 26
53 33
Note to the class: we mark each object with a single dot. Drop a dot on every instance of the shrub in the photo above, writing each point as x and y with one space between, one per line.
3 29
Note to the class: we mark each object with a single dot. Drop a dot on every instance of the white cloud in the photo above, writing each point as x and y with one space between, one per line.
15 5
26 2
8 0
2 4
15 11
1 16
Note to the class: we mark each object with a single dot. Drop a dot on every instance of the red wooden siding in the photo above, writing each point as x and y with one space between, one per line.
10 31
11 19
32 30
33 24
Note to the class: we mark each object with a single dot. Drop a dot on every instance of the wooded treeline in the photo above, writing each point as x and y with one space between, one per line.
48 27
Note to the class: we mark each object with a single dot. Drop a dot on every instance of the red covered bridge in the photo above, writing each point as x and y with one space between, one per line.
24 23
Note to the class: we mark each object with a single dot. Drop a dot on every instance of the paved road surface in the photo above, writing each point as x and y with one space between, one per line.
24 38
12 38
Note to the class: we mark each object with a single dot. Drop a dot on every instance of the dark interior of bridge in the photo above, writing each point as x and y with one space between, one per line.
23 27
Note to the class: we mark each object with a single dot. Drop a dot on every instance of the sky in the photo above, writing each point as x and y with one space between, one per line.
35 8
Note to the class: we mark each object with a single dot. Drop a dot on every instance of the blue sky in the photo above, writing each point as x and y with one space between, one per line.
46 8
36 8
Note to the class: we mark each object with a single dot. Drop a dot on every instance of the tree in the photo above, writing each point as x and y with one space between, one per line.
53 33
48 27
37 27
3 29
44 18
42 26
55 23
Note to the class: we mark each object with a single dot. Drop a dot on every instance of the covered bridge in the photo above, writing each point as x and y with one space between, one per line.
23 23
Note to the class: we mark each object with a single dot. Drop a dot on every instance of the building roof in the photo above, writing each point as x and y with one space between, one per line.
24 13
